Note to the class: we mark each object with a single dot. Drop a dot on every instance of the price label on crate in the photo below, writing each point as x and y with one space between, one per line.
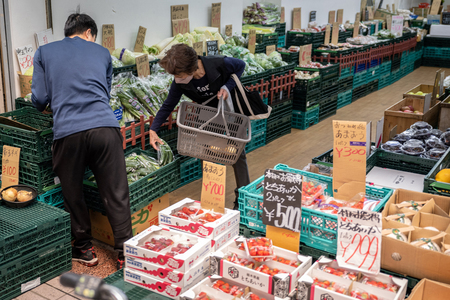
349 158
297 18
331 16
335 34
283 238
108 39
305 54
229 30
359 240
215 14
282 18
213 186
140 39
198 47
10 166
252 40
282 200
142 65
270 49
340 16
327 34
212 48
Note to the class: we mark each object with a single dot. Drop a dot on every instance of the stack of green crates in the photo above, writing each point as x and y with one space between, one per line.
259 128
34 247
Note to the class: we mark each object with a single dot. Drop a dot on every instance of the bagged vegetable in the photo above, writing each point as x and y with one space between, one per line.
116 63
125 55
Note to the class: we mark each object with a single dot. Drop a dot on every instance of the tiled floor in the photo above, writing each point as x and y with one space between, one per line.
51 290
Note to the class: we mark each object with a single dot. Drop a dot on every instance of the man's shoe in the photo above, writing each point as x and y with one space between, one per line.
120 264
85 257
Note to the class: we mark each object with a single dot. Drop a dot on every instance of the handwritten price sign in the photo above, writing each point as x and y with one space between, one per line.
143 66
397 25
140 39
252 40
10 166
305 54
108 39
297 18
282 200
25 56
180 26
213 186
215 15
359 240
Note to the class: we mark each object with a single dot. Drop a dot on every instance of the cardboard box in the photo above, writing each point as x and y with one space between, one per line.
421 12
428 289
206 286
166 274
140 220
158 286
181 262
25 84
208 230
306 289
226 237
444 117
281 284
424 220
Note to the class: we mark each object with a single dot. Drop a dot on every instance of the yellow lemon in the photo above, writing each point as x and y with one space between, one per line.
443 176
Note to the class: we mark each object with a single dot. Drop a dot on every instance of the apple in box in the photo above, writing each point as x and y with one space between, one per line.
216 287
326 279
168 248
167 274
157 285
187 215
277 277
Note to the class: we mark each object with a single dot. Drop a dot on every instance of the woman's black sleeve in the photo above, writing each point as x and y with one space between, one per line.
233 66
167 107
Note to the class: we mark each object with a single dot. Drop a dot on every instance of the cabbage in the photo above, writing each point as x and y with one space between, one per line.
219 39
116 63
29 71
125 55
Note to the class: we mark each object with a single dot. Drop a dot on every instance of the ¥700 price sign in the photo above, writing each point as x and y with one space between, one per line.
213 186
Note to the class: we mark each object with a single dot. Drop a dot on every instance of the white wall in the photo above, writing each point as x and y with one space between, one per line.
128 15
27 17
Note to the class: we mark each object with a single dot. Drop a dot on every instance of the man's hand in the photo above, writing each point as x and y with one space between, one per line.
154 138
222 93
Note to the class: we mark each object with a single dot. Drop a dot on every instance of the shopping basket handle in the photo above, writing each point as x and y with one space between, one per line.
220 108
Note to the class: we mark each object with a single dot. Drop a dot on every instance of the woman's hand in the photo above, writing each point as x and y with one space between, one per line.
222 93
154 138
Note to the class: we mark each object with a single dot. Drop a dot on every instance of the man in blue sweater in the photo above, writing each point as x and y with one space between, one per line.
73 77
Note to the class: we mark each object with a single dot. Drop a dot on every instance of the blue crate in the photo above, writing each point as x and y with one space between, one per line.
281 41
344 99
385 68
53 197
303 120
258 140
373 74
360 79
360 67
319 230
384 81
374 63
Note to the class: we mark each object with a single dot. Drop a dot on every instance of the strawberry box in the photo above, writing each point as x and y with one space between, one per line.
326 280
232 263
207 286
161 246
197 225
166 274
159 286
224 238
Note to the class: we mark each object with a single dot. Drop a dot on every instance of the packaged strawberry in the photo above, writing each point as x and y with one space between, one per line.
340 272
259 248
360 294
225 287
158 243
312 190
203 296
285 261
233 257
385 286
330 285
179 248
188 212
266 270
251 296
208 217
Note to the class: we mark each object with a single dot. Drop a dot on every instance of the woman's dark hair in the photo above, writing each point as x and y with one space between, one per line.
79 23
180 59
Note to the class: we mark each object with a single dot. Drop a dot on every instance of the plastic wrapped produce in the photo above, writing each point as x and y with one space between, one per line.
414 142
445 138
436 132
435 142
404 136
421 125
330 285
422 134
259 248
413 149
392 146
434 153
347 274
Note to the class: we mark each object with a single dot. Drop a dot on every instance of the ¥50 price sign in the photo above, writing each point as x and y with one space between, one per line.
282 200
359 240
213 186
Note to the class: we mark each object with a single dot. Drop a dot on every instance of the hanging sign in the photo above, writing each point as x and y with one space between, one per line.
215 15
349 158
331 16
370 9
327 34
212 48
252 40
108 39
140 39
180 26
282 200
362 9
282 18
393 8
359 240
142 65
335 34
340 16
297 18
213 186
229 30
10 166
198 47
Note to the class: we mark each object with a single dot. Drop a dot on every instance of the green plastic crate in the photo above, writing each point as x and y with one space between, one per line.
26 230
326 73
44 264
258 125
21 103
344 99
132 68
438 52
53 197
303 120
133 292
360 79
281 41
153 186
258 140
35 145
319 230
190 170
373 74
280 110
435 187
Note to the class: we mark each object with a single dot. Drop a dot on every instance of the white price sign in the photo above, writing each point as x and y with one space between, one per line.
397 25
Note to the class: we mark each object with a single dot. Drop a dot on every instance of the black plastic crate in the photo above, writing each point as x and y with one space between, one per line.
290 57
372 86
280 110
396 62
436 41
132 68
417 63
326 73
278 128
328 107
359 92
280 28
304 101
435 62
308 85
419 45
329 88
345 84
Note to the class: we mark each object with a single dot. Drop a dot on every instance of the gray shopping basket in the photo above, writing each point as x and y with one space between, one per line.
212 134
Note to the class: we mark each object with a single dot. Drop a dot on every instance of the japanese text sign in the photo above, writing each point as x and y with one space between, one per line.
397 25
335 34
356 25
252 40
198 47
359 240
327 35
180 26
282 18
282 199
305 54
213 186
435 5
25 55
297 18
340 16
142 65
215 15
212 48
44 37
229 30
179 12
10 166
140 39
108 37
331 16
349 158
270 49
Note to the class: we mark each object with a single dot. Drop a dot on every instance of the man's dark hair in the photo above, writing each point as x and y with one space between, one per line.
79 23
